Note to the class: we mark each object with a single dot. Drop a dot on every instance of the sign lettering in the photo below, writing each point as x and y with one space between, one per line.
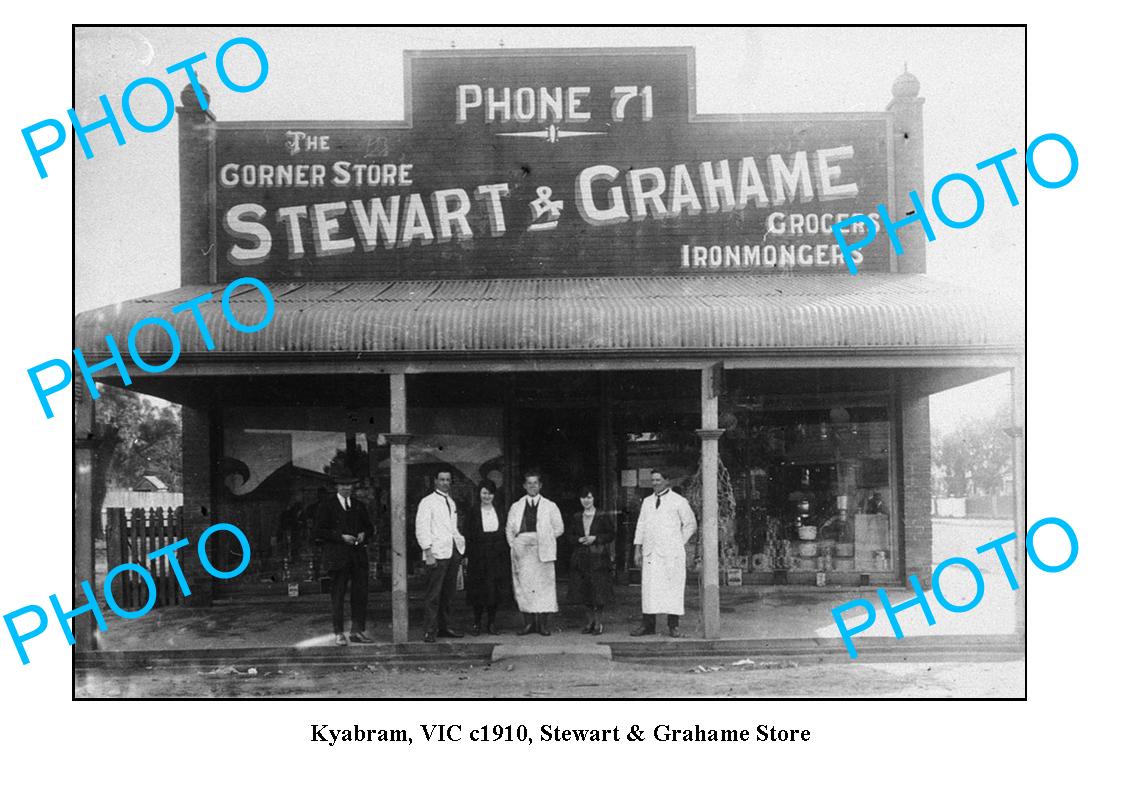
561 164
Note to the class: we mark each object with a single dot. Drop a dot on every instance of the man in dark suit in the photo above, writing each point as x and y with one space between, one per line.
343 526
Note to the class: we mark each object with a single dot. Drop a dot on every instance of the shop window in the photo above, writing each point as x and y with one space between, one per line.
277 460
813 487
275 472
468 441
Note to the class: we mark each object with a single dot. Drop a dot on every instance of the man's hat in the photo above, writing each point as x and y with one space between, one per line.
342 475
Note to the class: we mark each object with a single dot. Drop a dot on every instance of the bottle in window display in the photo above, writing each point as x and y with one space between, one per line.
838 527
875 505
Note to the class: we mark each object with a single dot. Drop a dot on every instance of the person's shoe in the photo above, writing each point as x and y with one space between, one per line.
598 628
674 632
340 640
362 638
491 631
543 631
429 637
448 632
587 628
526 631
643 630
476 629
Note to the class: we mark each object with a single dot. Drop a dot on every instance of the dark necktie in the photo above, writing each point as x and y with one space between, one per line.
447 504
659 498
530 518
346 504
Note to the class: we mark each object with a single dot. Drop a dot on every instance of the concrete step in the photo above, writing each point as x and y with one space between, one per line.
651 651
824 650
412 653
543 647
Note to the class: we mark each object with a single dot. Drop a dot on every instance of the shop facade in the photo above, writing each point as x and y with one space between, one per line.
553 262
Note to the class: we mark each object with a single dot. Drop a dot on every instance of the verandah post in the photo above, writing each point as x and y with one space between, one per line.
398 440
711 595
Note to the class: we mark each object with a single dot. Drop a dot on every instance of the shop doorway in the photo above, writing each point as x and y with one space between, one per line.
562 444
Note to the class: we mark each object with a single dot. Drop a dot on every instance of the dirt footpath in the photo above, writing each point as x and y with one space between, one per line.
575 677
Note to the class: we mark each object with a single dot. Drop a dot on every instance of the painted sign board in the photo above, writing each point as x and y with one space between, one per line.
547 163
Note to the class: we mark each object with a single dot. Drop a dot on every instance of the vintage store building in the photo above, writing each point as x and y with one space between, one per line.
554 262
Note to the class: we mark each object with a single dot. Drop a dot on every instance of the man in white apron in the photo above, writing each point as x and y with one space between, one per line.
534 524
665 525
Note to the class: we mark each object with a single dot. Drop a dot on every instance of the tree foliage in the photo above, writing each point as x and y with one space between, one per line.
974 457
140 437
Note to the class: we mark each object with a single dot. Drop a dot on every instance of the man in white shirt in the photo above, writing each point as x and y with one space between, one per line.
534 524
443 546
666 523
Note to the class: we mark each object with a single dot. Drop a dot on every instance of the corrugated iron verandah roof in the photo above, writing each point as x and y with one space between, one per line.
735 314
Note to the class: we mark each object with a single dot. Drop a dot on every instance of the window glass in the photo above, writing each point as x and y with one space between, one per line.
813 487
277 462
276 472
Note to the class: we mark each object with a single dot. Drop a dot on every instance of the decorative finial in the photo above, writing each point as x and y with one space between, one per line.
188 99
907 86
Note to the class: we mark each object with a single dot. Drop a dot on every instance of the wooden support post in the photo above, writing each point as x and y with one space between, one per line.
1018 433
604 445
711 596
610 483
398 440
85 523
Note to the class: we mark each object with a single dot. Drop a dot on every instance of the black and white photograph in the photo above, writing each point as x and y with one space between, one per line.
606 363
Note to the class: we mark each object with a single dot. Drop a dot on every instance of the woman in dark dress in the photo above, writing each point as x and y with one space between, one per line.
590 571
488 579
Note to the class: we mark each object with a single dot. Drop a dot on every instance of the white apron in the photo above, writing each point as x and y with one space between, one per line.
664 532
664 583
535 589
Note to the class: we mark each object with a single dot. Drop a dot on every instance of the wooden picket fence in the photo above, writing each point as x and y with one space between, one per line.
129 538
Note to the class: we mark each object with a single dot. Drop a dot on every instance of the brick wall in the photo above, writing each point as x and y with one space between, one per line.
916 458
196 129
908 175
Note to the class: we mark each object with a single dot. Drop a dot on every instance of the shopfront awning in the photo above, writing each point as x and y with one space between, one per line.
722 316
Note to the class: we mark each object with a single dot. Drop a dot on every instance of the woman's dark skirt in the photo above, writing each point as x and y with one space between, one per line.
487 580
590 576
